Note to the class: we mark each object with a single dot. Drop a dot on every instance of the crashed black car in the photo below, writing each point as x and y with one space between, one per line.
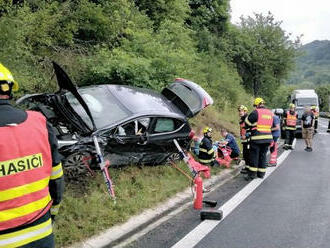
134 125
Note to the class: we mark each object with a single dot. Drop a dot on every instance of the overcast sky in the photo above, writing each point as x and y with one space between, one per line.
310 18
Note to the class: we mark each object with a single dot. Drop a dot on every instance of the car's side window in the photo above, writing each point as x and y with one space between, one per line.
164 125
142 125
135 127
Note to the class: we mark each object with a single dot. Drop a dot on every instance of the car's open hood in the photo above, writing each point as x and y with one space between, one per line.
187 96
65 83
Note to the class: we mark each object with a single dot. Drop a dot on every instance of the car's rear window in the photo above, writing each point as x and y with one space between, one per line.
105 108
187 95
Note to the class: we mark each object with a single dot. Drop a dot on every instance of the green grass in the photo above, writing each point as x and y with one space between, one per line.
87 209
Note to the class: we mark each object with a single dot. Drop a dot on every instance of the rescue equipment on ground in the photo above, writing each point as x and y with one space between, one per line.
223 157
273 154
196 169
104 164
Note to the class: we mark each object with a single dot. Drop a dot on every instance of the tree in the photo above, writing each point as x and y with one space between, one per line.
159 10
212 15
324 94
263 52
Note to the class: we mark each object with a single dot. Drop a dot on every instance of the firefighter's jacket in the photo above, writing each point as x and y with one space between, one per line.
290 120
31 176
206 153
261 122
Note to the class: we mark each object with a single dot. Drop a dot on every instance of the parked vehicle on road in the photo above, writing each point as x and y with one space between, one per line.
134 125
303 98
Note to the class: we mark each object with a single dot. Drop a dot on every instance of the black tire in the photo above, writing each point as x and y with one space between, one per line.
174 157
75 168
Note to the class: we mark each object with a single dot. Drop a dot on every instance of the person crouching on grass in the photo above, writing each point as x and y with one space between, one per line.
231 142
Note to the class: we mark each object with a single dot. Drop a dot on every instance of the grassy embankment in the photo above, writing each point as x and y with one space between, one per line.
87 210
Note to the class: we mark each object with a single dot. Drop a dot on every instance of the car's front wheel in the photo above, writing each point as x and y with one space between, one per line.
77 166
174 157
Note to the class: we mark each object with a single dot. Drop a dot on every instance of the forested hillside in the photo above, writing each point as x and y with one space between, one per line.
313 66
312 71
145 43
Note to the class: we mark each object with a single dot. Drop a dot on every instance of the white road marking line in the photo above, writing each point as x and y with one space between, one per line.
203 229
155 224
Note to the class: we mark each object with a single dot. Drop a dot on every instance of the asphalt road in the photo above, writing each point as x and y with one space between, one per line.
291 208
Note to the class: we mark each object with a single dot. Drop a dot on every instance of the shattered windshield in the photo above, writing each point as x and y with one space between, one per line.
105 108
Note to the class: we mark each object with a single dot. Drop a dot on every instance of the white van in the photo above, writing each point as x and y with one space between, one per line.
302 98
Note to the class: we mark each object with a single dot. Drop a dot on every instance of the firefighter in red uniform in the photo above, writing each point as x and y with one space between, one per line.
290 124
31 176
261 122
244 134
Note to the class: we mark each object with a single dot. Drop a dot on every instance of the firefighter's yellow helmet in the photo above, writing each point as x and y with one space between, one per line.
258 101
291 105
5 75
207 129
242 107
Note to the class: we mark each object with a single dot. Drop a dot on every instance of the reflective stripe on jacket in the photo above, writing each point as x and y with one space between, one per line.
25 171
262 129
291 121
28 235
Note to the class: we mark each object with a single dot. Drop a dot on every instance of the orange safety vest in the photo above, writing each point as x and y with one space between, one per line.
291 120
25 170
263 128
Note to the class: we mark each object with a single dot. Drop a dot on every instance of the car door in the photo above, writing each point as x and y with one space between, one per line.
127 142
159 143
187 96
